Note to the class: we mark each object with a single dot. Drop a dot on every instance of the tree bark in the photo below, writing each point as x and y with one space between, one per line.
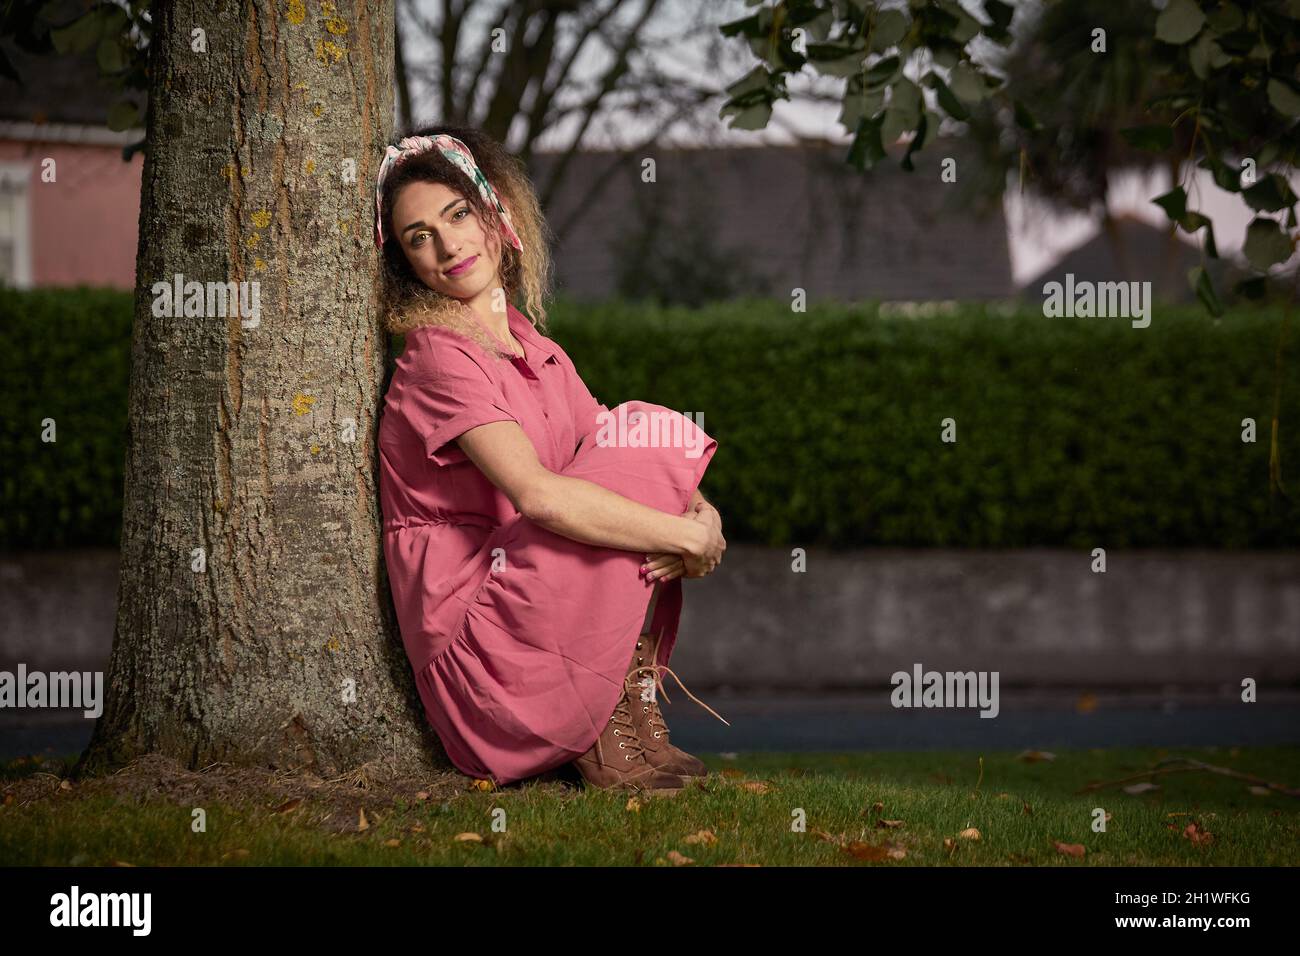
252 596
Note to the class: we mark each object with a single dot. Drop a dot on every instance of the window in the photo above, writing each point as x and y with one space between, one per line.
15 225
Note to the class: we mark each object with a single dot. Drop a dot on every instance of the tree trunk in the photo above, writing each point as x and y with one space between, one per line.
254 624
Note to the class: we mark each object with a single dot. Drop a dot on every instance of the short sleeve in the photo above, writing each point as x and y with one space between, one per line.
448 394
587 411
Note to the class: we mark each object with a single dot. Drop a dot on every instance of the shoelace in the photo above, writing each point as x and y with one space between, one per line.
650 683
622 717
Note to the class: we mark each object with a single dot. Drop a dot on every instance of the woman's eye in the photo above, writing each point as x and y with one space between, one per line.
455 216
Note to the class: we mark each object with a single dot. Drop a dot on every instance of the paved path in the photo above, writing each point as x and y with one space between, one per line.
861 722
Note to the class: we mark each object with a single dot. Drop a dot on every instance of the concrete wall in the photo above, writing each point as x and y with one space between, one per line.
1155 619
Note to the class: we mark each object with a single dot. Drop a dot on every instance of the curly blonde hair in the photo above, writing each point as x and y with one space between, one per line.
406 301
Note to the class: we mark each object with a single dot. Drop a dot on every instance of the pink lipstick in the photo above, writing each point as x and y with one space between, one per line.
460 267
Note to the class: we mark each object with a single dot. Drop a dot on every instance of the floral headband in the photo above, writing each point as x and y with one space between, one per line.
459 155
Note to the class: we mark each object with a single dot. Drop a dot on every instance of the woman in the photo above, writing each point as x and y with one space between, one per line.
514 526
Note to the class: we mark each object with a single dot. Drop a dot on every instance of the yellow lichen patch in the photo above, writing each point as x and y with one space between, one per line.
310 167
228 170
315 449
332 644
259 265
297 12
344 225
261 219
253 240
329 52
334 24
302 403
317 109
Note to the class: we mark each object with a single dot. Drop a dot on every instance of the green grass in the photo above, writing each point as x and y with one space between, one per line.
1020 809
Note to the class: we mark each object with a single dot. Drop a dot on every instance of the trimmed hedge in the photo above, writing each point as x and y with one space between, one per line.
65 354
1070 432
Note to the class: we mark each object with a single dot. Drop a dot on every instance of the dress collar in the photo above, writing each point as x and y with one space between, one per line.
535 344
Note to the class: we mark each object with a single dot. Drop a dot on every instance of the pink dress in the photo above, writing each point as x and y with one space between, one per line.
519 637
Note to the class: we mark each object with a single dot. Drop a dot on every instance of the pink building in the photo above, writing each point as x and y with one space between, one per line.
69 204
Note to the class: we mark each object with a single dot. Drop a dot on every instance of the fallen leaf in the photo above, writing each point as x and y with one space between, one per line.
706 837
417 828
888 824
866 851
65 784
970 833
1143 787
1069 849
732 772
362 822
1197 835
756 786
484 785
679 860
633 805
823 835
1035 756
877 807
467 838
895 851
1026 809
289 805
422 795
393 842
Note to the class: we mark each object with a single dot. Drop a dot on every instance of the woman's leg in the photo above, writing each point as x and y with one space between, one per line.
548 639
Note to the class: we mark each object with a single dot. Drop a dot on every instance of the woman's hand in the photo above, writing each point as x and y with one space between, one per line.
665 566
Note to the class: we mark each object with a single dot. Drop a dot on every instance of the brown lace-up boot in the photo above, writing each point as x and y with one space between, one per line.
651 728
617 760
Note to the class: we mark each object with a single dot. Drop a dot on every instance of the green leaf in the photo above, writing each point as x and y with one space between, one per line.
1000 13
965 28
859 103
951 105
1269 194
79 35
1283 98
905 96
890 27
917 142
1174 203
1179 21
123 115
1024 119
109 55
967 84
1266 244
835 59
896 123
1204 289
882 72
1156 137
867 148
1225 18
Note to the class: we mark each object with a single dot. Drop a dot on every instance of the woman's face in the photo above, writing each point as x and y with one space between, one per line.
440 231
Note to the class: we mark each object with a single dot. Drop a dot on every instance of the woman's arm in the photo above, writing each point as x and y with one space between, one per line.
573 507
